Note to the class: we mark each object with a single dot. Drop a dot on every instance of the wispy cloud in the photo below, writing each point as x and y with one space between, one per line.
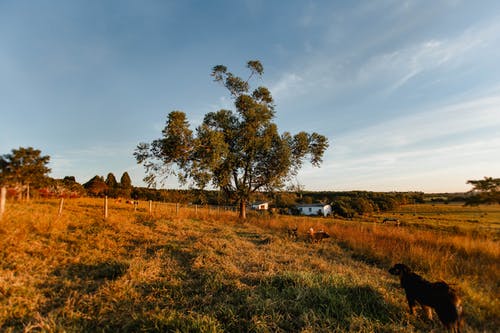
289 84
387 69
402 65
439 122
458 142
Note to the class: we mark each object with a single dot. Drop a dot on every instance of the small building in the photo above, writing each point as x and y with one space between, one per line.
315 209
260 205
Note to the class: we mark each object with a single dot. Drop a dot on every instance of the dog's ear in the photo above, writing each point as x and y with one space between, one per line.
394 270
399 269
403 268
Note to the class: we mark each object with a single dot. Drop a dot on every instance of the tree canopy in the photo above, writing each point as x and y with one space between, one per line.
111 180
485 191
24 167
96 186
240 152
125 181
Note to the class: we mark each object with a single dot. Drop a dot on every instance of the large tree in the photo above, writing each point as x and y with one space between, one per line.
24 167
240 152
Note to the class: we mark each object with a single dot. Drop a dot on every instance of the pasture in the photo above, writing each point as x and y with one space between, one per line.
190 270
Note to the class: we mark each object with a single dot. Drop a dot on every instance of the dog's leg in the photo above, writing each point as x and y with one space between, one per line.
427 311
411 304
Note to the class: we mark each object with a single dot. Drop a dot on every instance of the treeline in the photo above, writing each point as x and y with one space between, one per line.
351 203
345 204
24 172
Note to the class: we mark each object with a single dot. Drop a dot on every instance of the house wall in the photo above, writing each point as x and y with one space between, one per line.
263 206
313 210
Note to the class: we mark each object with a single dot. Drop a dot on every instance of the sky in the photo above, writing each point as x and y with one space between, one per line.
407 92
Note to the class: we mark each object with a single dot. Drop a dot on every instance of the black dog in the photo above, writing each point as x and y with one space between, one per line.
436 295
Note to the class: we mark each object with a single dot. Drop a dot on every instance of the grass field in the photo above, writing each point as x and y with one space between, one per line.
203 271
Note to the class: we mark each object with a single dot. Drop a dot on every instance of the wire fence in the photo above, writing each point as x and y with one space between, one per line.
111 206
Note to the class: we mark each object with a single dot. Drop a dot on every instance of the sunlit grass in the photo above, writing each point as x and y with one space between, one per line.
200 269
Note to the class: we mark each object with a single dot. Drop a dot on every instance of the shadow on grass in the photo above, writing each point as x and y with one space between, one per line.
78 279
72 281
108 270
208 299
288 302
255 238
303 301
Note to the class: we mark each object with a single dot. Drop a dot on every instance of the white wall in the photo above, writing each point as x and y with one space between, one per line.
313 210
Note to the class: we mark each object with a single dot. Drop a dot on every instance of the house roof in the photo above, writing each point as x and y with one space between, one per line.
313 205
259 203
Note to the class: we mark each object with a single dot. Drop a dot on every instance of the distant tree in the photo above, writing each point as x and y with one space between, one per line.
238 152
96 186
24 167
71 185
113 186
111 180
285 200
385 203
485 191
296 188
362 205
69 179
342 207
125 180
125 186
307 200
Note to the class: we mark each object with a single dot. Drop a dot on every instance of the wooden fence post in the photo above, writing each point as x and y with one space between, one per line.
60 207
150 207
106 207
196 210
3 195
177 209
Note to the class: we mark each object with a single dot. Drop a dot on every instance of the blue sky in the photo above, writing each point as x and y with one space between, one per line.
408 92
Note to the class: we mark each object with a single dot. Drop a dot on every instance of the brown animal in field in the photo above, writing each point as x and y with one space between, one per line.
317 236
392 220
293 233
439 296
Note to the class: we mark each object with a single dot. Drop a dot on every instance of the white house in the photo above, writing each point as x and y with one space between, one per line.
261 205
315 209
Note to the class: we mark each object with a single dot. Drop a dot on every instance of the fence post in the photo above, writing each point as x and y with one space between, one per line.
150 207
60 207
196 210
177 209
106 207
3 195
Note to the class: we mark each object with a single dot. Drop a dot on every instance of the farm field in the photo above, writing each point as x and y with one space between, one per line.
193 270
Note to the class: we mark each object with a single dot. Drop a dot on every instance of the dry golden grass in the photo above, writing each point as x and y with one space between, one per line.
203 271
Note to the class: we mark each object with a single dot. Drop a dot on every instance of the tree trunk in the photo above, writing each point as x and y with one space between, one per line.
243 209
